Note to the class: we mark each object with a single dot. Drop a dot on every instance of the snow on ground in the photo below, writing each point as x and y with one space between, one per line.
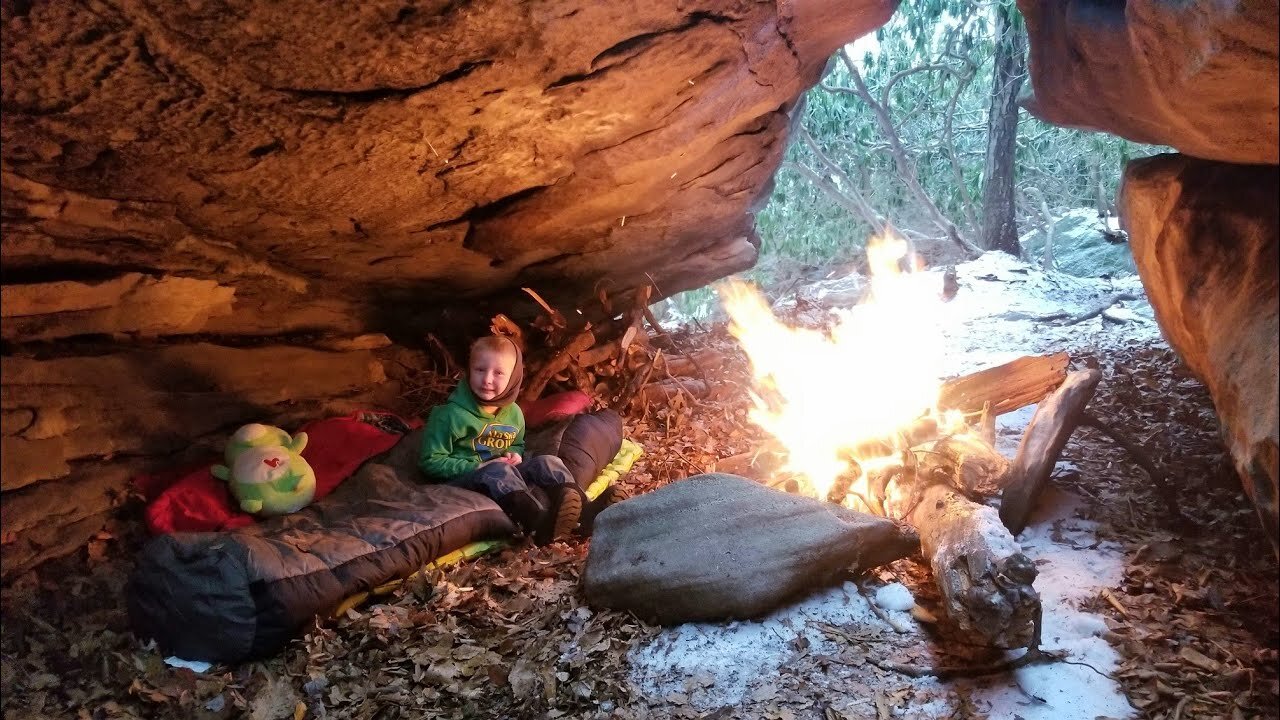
895 596
1071 570
993 318
994 315
710 665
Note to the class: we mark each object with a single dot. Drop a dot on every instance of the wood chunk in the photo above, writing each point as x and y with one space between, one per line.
665 391
1006 387
966 463
1054 421
579 344
985 579
694 364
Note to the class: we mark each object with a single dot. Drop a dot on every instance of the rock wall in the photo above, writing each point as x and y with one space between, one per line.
1199 76
1203 77
1206 238
214 212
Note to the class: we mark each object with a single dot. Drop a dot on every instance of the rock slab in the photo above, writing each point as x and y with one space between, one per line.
1199 76
1206 238
720 547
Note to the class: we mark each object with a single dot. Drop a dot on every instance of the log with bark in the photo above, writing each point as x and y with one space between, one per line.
1042 443
985 579
666 390
965 462
1006 387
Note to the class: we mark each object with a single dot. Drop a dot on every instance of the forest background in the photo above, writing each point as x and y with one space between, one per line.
919 128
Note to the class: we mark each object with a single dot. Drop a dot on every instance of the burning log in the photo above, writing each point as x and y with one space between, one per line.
1006 387
1053 423
985 579
966 463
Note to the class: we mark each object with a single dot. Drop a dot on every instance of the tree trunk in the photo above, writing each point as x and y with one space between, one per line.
999 226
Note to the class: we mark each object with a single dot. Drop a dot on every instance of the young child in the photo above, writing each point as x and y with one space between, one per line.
476 439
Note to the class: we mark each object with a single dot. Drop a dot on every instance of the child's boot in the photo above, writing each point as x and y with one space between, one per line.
566 510
527 510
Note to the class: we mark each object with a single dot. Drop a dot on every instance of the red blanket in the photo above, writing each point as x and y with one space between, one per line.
196 501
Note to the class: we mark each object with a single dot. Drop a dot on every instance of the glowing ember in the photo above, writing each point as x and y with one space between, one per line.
846 395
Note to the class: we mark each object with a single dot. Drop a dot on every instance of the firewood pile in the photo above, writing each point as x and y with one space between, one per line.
621 358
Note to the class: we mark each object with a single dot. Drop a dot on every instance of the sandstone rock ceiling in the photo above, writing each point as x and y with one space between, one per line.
319 157
1199 76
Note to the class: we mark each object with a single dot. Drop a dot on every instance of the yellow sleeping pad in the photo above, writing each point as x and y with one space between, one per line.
621 463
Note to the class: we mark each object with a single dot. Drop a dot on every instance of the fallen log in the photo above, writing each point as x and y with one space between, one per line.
985 579
1042 443
1006 387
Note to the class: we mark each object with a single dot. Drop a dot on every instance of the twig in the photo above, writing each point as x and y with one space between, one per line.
1158 477
1095 312
688 462
637 381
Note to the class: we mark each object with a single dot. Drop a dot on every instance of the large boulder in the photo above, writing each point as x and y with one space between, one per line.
381 157
1199 76
715 547
1084 245
1206 238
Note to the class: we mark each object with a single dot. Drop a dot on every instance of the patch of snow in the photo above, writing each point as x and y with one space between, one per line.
199 666
711 665
1009 429
1071 570
715 664
895 596
995 315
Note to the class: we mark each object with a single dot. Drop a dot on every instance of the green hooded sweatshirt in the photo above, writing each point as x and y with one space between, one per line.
459 435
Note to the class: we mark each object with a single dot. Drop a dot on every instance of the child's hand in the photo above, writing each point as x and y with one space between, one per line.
513 458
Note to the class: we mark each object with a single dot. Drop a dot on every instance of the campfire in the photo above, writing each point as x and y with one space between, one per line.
861 417
848 403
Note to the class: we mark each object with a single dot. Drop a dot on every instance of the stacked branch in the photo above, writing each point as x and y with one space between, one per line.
620 362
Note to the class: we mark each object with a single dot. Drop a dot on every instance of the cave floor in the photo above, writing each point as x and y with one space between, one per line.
1188 607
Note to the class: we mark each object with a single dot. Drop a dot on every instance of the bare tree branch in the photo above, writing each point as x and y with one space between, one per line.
906 171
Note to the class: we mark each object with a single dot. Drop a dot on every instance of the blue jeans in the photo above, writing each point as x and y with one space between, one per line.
497 480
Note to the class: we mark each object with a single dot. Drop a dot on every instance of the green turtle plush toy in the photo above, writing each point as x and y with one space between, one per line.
266 470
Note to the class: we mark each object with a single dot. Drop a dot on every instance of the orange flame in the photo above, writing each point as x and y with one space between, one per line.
827 396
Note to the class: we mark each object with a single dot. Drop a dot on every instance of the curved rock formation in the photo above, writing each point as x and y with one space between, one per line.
258 176
1199 76
1206 238
303 151
1203 77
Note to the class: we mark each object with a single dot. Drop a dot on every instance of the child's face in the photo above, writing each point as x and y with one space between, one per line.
490 373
